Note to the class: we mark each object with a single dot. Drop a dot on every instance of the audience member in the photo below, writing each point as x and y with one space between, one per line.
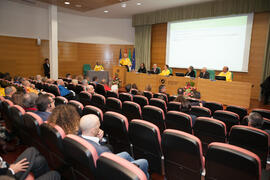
74 82
46 68
66 116
68 76
9 91
63 90
190 72
90 89
142 68
79 78
166 71
162 89
29 87
84 82
104 83
204 74
45 106
114 88
17 98
226 73
44 79
98 67
95 80
29 102
38 78
91 132
148 87
180 91
29 161
16 80
155 69
256 120
185 107
128 88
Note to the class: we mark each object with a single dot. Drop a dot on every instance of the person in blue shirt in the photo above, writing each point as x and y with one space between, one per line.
45 105
91 132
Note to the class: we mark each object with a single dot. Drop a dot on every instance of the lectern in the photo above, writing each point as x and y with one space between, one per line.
120 71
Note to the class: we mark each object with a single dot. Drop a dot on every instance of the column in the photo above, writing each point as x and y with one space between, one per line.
53 41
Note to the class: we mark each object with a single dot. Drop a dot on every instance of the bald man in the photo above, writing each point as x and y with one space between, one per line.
226 73
204 74
89 126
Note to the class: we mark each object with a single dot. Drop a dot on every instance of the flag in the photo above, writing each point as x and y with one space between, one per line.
129 54
133 60
120 56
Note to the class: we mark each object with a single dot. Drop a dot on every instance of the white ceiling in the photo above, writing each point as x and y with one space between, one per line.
116 11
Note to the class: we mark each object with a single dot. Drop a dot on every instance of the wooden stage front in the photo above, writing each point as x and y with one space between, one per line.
228 93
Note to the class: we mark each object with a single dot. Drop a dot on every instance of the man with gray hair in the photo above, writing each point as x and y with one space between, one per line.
155 69
90 89
29 102
256 120
89 126
9 91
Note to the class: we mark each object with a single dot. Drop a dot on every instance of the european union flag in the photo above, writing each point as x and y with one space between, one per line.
120 56
133 60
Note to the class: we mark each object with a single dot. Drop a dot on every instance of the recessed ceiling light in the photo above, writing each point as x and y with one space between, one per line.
67 3
123 5
106 11
138 4
78 5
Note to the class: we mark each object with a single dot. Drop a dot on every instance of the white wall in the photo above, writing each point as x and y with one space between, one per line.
32 22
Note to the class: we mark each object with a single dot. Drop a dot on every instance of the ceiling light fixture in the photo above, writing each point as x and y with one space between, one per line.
67 3
106 11
123 5
138 4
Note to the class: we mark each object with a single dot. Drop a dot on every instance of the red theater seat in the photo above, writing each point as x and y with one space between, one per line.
132 110
60 100
141 100
213 106
179 121
85 98
125 97
113 104
200 111
229 118
159 103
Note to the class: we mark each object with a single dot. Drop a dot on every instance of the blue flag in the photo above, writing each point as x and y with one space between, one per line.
120 56
133 60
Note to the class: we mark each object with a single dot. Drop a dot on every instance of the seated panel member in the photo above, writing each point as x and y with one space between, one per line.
142 68
166 71
190 72
204 74
91 132
225 72
98 67
155 69
125 61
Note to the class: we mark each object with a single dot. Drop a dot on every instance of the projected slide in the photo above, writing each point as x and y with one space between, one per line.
211 43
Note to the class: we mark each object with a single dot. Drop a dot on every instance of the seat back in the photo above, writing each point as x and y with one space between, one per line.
115 125
60 100
183 155
98 101
146 140
148 94
154 115
264 112
112 94
241 111
93 110
132 110
82 155
79 88
6 105
16 113
85 98
161 96
100 89
172 98
174 106
113 104
159 103
200 111
134 91
213 106
53 139
54 89
179 121
125 97
209 130
252 139
110 166
225 161
141 100
77 105
266 124
229 118
71 87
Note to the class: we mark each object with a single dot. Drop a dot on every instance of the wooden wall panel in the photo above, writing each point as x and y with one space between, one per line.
257 50
22 56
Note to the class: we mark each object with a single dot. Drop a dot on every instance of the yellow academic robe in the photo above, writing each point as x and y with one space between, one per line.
98 68
125 62
228 75
165 72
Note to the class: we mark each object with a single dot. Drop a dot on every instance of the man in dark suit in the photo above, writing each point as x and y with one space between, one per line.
89 126
45 106
46 68
155 69
204 74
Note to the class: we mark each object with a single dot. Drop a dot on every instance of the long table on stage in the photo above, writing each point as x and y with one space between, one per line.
228 93
99 74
